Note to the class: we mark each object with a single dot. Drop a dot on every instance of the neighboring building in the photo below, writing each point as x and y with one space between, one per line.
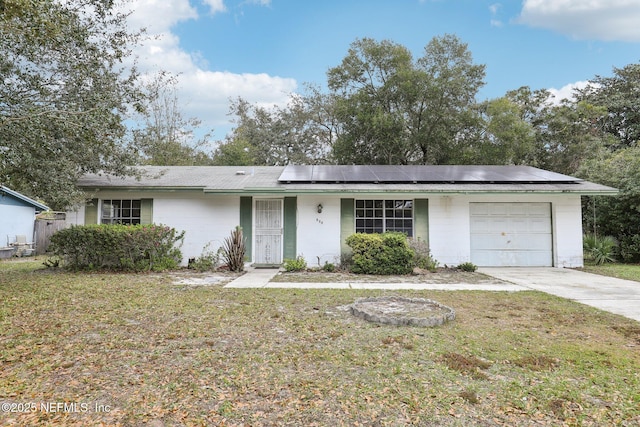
17 217
488 215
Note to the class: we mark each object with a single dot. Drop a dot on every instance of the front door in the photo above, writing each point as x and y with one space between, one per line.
268 231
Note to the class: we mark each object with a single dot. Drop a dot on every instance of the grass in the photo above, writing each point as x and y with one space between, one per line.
621 271
139 350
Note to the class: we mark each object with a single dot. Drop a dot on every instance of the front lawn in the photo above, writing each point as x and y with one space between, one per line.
621 271
134 350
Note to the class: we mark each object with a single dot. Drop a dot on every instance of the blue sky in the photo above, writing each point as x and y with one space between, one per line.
264 50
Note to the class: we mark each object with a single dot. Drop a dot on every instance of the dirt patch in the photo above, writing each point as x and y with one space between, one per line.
468 365
194 278
536 363
630 332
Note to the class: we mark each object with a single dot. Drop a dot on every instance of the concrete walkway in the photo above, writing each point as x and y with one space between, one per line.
261 278
606 293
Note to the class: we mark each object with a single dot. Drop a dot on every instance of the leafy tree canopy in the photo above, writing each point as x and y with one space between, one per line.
65 95
395 110
620 95
166 137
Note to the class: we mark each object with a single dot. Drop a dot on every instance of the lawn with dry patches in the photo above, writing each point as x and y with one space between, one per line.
139 350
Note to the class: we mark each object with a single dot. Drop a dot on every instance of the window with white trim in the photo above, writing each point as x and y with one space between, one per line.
120 212
378 216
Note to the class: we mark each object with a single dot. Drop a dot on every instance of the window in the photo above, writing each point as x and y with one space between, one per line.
120 212
378 216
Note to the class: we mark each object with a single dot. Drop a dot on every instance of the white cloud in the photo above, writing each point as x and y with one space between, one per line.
566 91
204 93
581 19
208 92
215 6
158 16
494 9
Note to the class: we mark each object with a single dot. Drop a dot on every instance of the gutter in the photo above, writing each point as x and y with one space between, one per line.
443 192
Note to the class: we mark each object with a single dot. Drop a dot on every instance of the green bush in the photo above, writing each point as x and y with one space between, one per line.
629 248
422 255
386 253
468 266
298 264
208 261
118 247
329 267
600 250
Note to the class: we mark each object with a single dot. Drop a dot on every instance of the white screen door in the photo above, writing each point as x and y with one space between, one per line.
268 231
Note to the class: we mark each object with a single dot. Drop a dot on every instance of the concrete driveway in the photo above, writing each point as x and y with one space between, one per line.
606 293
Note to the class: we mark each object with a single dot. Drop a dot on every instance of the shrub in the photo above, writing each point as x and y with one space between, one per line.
208 261
422 255
629 248
600 250
468 266
298 264
386 253
329 267
234 249
118 247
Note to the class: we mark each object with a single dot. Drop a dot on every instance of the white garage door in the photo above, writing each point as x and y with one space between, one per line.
511 234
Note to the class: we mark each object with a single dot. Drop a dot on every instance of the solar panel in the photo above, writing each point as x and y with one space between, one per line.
296 173
389 173
420 174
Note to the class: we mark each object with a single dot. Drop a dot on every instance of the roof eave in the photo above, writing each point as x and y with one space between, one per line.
324 191
96 188
37 205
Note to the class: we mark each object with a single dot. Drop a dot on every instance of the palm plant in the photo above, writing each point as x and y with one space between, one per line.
600 250
234 250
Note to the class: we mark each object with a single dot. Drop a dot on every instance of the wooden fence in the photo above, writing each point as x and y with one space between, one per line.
45 227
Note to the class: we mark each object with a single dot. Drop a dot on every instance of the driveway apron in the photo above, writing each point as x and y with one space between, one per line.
606 293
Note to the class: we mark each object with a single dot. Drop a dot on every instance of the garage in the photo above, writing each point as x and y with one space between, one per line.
511 234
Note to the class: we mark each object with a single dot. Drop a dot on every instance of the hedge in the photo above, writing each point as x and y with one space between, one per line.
118 247
386 253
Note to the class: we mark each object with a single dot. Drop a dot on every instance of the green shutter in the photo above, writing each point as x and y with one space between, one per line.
91 212
347 223
246 216
421 219
290 233
146 211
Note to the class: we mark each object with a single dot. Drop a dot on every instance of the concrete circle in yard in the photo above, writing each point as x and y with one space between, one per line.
400 311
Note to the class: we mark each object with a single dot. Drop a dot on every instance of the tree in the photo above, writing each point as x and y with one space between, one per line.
616 216
393 109
444 108
620 95
235 151
614 110
65 95
507 138
272 136
167 138
571 135
368 107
